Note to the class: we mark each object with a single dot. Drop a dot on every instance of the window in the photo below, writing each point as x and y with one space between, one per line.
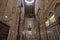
47 23
52 19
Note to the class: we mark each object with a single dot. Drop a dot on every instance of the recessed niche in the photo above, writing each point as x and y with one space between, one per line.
59 20
57 7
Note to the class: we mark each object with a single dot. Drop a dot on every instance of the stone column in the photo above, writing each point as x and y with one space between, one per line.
21 23
14 20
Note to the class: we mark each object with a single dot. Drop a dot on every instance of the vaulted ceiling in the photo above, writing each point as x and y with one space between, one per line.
29 9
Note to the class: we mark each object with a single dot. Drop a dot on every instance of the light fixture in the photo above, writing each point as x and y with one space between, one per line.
29 1
6 17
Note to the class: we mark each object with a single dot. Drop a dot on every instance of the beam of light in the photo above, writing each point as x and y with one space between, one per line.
29 2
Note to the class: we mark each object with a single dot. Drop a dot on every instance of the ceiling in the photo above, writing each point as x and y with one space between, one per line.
29 9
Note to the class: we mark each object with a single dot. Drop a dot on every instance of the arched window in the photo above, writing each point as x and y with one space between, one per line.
51 19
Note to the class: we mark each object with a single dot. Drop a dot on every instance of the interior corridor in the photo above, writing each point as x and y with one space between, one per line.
30 31
29 19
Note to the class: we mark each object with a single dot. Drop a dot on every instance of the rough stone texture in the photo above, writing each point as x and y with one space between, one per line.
10 8
42 9
55 11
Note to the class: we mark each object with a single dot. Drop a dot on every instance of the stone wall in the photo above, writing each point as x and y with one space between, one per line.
9 14
52 9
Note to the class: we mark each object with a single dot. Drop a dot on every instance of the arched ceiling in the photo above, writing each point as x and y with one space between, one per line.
29 9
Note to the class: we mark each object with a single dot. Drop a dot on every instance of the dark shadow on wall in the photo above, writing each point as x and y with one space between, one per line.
4 29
